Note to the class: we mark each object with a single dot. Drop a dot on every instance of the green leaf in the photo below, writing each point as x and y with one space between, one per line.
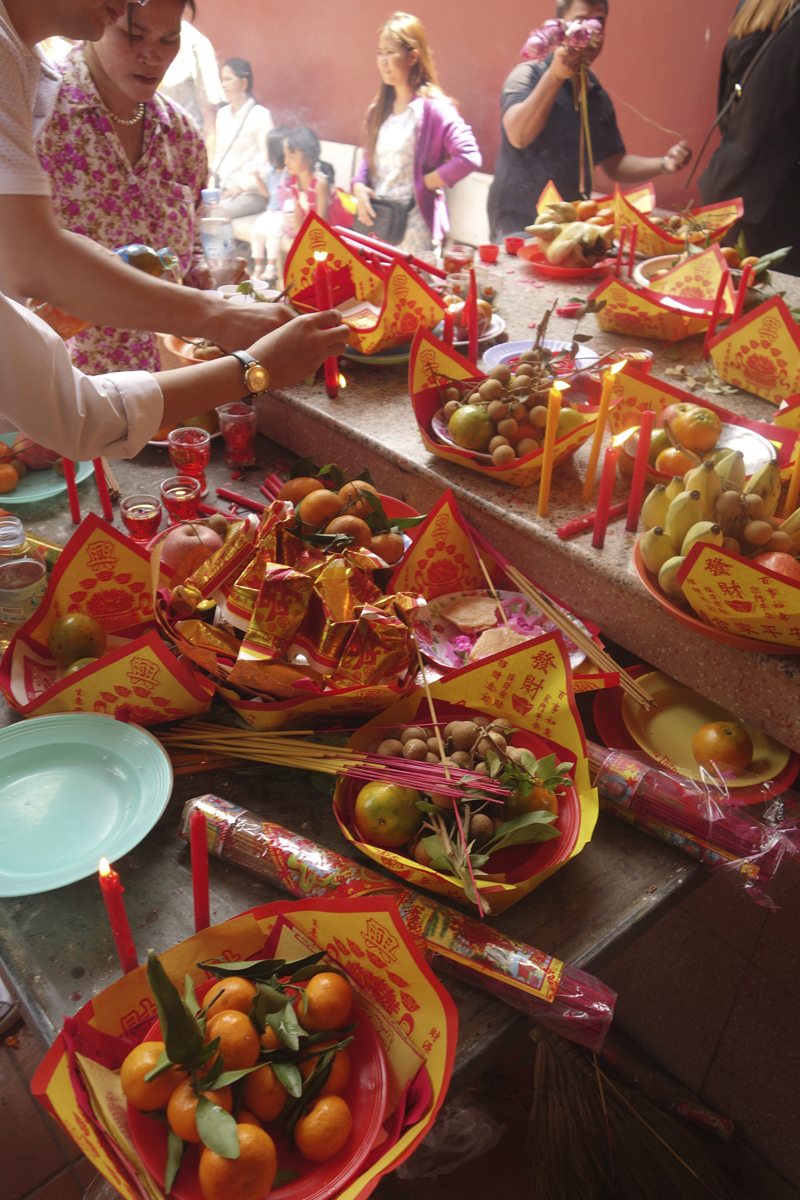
289 1075
441 863
529 761
258 969
599 305
364 476
258 1012
523 834
284 1176
398 524
164 1064
175 1152
771 259
311 960
211 1078
304 467
424 806
274 999
479 861
493 763
190 996
741 246
158 1115
582 337
182 1036
309 972
287 1026
217 1128
335 474
433 845
229 1077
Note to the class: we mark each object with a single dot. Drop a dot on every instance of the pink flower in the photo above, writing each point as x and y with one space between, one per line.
554 31
584 35
537 47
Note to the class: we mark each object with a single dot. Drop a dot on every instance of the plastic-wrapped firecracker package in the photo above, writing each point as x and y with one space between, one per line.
749 834
572 1003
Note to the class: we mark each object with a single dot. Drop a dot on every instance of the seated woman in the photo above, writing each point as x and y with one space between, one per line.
417 144
126 164
266 230
309 184
241 145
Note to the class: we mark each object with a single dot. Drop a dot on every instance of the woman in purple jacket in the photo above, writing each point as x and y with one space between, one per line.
417 144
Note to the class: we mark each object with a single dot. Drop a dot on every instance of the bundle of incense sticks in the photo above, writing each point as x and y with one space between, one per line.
560 997
285 748
694 817
582 640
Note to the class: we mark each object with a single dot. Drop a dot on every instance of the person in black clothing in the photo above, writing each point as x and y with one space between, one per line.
757 158
540 133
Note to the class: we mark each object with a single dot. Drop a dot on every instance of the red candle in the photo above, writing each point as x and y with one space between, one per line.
112 891
102 488
322 285
604 497
242 501
472 317
744 283
632 254
198 839
72 490
449 327
623 234
582 524
715 313
640 470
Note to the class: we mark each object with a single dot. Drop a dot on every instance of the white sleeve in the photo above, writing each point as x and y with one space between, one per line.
264 126
20 171
80 416
208 88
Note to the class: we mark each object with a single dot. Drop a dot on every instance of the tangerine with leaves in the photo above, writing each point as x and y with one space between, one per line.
182 1109
239 1044
248 1177
270 1039
233 993
723 742
247 1118
340 1069
318 509
264 1094
295 489
357 506
699 429
329 997
386 814
353 527
389 546
147 1097
324 1129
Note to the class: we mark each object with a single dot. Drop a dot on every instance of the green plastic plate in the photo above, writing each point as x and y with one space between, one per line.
39 485
74 788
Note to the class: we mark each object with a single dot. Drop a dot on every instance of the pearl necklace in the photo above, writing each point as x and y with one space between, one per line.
127 121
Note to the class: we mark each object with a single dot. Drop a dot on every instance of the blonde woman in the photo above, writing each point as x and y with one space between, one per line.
416 143
757 158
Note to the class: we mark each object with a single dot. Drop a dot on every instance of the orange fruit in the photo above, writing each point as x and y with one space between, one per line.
319 508
324 1129
247 1118
239 1044
248 1177
387 814
586 209
349 496
354 527
750 261
161 434
270 1039
698 430
147 1097
264 1094
723 742
182 1109
524 430
340 1070
471 427
329 999
538 800
389 546
237 995
731 256
76 636
295 489
8 478
6 453
674 462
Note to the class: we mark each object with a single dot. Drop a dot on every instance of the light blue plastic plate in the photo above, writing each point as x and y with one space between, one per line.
39 485
75 788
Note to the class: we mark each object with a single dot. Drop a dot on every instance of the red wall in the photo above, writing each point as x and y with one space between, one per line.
314 63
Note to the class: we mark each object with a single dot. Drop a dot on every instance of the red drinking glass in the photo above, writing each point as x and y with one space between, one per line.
238 424
141 515
458 258
190 452
180 495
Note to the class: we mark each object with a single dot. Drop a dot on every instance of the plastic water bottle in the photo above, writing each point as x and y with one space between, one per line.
216 233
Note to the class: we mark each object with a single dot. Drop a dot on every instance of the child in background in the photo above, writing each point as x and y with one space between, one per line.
266 230
309 184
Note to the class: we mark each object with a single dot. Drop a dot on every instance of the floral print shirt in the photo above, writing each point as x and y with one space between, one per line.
98 193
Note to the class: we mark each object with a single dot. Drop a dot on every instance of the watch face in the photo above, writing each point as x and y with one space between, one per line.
256 378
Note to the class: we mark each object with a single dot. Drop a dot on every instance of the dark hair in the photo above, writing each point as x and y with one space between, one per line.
242 70
190 4
307 142
275 139
563 6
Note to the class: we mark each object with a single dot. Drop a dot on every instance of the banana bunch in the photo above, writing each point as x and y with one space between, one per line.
716 504
566 241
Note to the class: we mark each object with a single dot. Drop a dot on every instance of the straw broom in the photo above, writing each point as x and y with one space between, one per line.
589 1140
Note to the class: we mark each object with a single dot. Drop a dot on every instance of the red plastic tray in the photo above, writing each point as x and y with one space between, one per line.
531 253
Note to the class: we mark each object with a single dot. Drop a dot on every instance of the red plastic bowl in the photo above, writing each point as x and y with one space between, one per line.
517 863
512 244
366 1094
488 253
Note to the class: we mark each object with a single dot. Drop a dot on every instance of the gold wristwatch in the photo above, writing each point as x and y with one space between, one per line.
256 377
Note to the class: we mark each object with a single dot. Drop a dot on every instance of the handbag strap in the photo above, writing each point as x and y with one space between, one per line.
738 88
232 142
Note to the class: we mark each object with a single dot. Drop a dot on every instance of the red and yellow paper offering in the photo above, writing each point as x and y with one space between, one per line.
712 221
761 352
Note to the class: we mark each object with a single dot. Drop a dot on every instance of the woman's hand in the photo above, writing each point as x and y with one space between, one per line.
365 212
432 181
231 192
294 351
676 158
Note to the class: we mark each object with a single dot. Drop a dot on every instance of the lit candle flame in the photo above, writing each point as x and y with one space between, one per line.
104 868
320 255
621 438
342 381
617 367
560 386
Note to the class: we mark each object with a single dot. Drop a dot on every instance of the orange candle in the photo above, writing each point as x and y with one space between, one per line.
548 453
599 429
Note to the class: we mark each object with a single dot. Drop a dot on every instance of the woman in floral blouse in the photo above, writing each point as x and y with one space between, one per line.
126 163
